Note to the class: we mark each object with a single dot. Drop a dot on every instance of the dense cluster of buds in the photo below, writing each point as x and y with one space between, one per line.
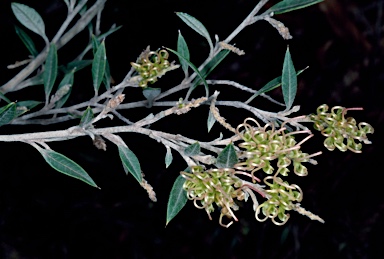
215 186
337 128
151 65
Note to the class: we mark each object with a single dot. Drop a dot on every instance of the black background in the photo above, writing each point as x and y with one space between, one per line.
44 214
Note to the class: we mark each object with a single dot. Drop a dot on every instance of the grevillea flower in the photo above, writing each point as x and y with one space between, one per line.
341 132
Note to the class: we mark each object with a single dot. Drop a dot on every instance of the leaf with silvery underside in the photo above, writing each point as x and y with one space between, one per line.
7 113
288 81
150 94
168 157
192 150
64 165
177 199
211 120
27 41
182 48
227 158
130 162
50 70
291 5
67 80
196 25
28 17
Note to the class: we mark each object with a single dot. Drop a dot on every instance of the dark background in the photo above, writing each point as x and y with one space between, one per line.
44 214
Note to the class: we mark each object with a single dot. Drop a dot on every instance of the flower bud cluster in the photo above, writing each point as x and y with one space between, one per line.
215 186
341 132
151 65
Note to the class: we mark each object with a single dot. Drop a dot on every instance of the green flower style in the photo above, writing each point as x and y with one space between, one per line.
215 186
337 128
151 65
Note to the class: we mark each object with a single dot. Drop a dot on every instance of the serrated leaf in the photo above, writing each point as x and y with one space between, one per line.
50 70
288 80
195 69
196 25
182 48
28 17
64 165
211 120
150 94
273 84
98 66
192 150
291 5
4 98
87 117
67 80
177 199
27 41
7 113
130 162
208 68
168 157
227 158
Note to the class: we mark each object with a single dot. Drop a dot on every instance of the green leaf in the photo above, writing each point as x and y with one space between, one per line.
28 17
196 25
107 76
177 199
130 162
75 66
291 5
50 70
65 165
4 98
87 117
109 32
67 80
168 157
182 48
7 113
227 158
195 69
208 68
24 106
211 120
95 44
288 80
98 66
150 94
192 150
273 84
27 41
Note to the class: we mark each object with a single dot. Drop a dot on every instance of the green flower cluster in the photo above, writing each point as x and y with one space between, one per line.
337 129
219 186
151 65
262 146
281 198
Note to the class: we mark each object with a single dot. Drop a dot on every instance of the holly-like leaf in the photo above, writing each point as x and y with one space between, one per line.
168 157
27 41
7 113
177 198
288 80
28 17
64 165
196 25
50 70
98 66
87 117
182 48
192 150
130 162
227 158
291 5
